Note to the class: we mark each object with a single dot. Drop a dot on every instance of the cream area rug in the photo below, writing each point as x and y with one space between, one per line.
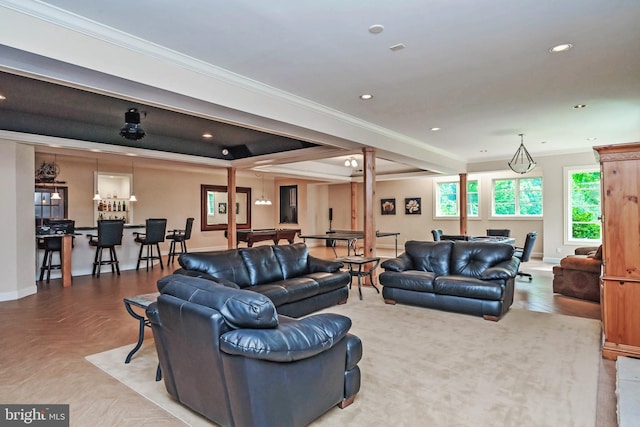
433 368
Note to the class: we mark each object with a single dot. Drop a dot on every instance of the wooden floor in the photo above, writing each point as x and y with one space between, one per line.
46 336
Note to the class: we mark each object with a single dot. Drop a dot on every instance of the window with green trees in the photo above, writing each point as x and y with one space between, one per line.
448 198
517 197
584 205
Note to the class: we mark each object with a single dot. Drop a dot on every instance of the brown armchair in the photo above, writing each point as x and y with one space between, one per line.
578 275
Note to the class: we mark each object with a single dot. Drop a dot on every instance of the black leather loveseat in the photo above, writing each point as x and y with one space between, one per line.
226 354
296 282
467 277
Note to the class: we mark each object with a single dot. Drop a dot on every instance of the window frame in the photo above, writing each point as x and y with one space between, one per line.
568 216
437 214
46 201
517 214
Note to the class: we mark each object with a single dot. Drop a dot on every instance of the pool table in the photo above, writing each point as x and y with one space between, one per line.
273 234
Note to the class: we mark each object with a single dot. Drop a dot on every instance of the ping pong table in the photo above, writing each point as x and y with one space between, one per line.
349 236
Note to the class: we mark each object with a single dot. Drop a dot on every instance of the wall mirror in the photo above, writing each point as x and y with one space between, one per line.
214 206
289 204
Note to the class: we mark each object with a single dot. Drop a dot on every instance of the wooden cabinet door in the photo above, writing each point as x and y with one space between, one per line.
621 316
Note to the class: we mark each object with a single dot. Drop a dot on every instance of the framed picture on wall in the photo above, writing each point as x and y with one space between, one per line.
413 206
387 206
222 208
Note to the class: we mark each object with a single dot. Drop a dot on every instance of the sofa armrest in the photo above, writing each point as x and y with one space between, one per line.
292 340
202 275
581 263
503 270
152 313
323 265
402 263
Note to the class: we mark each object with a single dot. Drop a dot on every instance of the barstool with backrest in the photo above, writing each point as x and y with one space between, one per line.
53 244
180 236
154 234
109 236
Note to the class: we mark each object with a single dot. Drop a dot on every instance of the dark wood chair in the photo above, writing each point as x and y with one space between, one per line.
155 229
109 236
179 236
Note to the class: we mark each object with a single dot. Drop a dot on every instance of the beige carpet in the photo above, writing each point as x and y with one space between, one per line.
433 368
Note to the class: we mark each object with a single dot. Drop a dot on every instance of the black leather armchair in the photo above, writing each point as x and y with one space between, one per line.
227 354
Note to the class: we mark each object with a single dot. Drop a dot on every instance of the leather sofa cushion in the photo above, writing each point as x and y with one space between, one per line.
411 280
292 259
430 256
276 293
292 340
581 262
464 286
299 288
472 258
239 308
330 281
224 264
262 265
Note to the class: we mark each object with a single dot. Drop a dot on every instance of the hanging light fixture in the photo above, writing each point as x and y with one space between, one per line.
96 195
522 162
55 195
133 195
262 200
351 162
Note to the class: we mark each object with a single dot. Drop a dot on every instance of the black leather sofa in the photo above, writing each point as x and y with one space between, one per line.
296 282
226 354
467 277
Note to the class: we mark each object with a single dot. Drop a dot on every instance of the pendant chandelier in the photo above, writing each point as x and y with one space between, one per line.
96 195
522 162
262 200
133 197
55 195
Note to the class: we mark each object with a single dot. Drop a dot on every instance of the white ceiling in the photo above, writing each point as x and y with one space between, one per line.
479 70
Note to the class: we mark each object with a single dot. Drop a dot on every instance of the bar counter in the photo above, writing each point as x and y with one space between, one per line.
82 255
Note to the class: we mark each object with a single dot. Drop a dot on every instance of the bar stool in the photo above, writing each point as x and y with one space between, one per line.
180 236
109 236
153 235
52 244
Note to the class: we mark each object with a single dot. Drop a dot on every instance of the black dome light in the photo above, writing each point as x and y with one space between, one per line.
132 128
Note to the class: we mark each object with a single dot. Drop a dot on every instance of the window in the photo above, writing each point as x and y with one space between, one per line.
48 208
289 204
448 200
517 197
583 205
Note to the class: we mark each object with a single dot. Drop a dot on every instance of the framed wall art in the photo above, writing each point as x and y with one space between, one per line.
413 206
387 206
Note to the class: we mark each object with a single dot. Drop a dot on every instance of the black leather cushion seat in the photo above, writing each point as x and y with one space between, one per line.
225 264
411 280
430 256
464 286
299 288
293 259
276 293
330 281
262 265
472 258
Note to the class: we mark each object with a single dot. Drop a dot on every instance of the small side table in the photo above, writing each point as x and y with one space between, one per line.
360 261
142 301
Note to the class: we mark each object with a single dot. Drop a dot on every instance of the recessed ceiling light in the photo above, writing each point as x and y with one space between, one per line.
483 151
376 29
366 96
592 138
397 47
207 135
561 48
435 129
2 97
580 106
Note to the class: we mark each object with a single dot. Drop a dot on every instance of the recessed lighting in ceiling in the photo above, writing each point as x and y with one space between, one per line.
483 151
397 47
2 97
366 96
561 48
207 135
579 106
435 129
593 138
376 29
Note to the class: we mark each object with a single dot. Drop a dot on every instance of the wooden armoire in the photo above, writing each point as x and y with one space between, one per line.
620 283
